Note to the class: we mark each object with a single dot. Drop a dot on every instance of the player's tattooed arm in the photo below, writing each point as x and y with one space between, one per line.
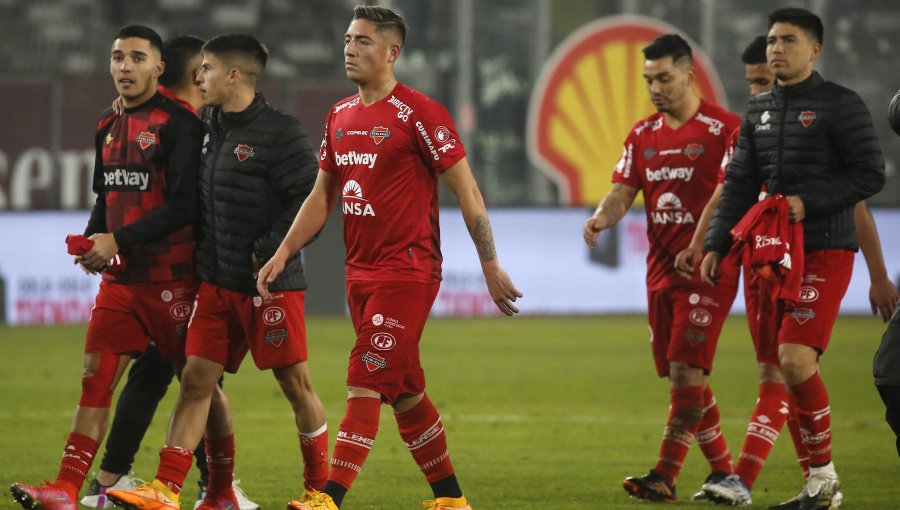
483 238
610 211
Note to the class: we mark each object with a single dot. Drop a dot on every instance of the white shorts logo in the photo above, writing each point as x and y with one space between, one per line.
257 301
166 295
808 294
383 341
180 311
694 298
378 319
273 315
700 317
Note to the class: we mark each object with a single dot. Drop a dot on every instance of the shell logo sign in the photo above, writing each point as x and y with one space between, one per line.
589 95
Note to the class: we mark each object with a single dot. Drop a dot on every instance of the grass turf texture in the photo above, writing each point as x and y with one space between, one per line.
540 413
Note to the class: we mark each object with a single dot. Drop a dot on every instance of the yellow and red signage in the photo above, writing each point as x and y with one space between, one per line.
589 94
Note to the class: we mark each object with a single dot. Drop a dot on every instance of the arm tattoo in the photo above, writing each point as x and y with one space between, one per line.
483 238
615 204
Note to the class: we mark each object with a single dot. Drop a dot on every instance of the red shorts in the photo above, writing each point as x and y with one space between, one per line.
763 317
388 318
226 324
826 276
127 317
685 322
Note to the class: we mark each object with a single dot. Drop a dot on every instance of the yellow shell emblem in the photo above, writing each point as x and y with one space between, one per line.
589 94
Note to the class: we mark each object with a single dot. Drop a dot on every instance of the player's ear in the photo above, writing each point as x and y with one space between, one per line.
234 75
160 67
393 53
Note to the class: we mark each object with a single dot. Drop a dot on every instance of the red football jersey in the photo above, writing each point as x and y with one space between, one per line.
388 156
729 152
677 170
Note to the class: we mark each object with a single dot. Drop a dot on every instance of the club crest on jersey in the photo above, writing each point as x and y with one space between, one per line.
243 152
379 133
374 361
807 117
145 139
694 151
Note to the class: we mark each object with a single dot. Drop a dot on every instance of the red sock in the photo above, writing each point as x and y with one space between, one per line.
174 464
355 438
314 448
768 418
814 417
76 462
796 438
423 433
709 436
220 462
685 413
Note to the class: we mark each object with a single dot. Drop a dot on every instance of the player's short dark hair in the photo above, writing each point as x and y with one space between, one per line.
755 52
383 18
809 22
141 32
241 50
669 45
177 53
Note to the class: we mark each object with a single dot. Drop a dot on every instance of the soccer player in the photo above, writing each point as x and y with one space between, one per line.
673 156
772 409
382 153
257 169
145 177
813 142
150 375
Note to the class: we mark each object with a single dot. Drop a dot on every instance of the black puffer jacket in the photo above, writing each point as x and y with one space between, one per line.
257 169
815 140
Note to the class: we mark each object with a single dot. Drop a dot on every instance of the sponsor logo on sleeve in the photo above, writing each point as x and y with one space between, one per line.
421 128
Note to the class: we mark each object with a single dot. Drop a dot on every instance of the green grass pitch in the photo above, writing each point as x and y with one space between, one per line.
540 413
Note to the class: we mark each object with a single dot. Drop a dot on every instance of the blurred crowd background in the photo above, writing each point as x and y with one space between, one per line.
480 58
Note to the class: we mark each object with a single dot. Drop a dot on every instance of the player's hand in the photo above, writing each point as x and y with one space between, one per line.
104 249
686 261
501 287
118 105
83 267
709 268
592 228
269 273
883 297
796 209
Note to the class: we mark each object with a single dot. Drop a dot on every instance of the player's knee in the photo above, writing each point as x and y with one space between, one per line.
295 383
770 373
97 381
196 383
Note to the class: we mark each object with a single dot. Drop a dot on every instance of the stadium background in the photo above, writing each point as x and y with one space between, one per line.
539 408
481 59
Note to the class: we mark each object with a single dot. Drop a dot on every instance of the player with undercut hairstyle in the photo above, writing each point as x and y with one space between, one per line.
673 156
145 177
257 168
383 152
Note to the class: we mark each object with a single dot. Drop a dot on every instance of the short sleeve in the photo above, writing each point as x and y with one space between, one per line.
726 158
436 136
326 155
626 172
